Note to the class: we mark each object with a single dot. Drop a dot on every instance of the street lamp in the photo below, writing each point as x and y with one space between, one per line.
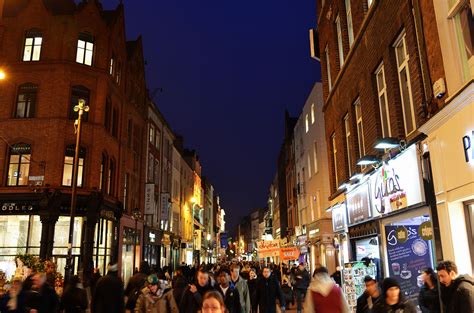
2 75
136 216
80 108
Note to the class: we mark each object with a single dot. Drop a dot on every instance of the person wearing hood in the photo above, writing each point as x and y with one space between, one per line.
191 301
156 297
324 295
392 300
268 291
371 295
428 298
457 291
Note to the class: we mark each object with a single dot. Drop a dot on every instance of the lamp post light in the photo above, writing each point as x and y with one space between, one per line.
136 216
80 108
2 75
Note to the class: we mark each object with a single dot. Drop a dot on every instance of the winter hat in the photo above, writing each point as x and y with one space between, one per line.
389 283
153 279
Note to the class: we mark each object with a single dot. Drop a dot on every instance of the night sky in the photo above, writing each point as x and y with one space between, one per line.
228 70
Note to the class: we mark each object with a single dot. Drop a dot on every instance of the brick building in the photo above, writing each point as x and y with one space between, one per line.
54 53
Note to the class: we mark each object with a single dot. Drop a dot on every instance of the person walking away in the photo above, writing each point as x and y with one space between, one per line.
287 290
213 302
14 300
428 298
392 300
229 291
74 297
42 297
191 301
156 297
457 291
179 284
324 296
252 284
337 276
302 279
268 291
135 285
109 294
371 295
241 285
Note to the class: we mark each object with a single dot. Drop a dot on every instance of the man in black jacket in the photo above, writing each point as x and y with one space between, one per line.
302 279
42 297
191 301
457 291
268 291
229 292
371 295
109 294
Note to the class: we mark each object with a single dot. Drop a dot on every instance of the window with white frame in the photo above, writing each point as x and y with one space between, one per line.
339 41
360 128
315 155
69 166
111 66
383 103
312 114
32 48
350 29
328 67
19 164
334 157
347 129
152 135
404 84
309 165
306 123
85 49
461 14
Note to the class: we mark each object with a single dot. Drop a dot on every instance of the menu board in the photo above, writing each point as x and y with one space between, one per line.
353 281
408 253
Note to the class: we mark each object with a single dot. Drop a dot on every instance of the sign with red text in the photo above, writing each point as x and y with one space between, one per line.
289 254
268 248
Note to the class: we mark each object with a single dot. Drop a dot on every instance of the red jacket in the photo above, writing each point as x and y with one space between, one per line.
324 296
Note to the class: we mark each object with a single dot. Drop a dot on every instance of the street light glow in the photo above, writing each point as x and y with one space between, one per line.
2 75
194 200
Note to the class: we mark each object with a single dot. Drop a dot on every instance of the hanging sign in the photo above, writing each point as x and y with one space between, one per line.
165 206
150 199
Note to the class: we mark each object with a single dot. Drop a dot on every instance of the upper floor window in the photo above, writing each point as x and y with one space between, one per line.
401 53
360 128
19 165
118 74
69 165
383 103
85 49
312 114
306 123
26 101
461 13
102 177
328 68
115 122
339 41
157 138
350 29
152 135
32 49
78 92
347 129
108 113
315 155
111 66
111 178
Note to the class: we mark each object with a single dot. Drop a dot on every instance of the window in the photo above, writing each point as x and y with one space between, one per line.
328 68
32 49
334 157
360 128
157 171
111 178
309 165
108 111
118 75
339 41
461 13
157 139
78 92
315 155
111 66
85 49
102 176
125 191
312 114
383 103
350 29
152 134
26 101
69 164
347 129
150 167
405 85
19 165
306 123
115 122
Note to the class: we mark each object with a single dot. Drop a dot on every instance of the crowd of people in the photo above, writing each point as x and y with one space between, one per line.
237 288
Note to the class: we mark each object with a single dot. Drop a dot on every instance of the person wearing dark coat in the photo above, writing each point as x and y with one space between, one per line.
191 301
229 292
457 291
268 291
14 300
94 279
135 285
252 283
179 284
41 297
392 300
369 298
74 298
109 294
302 279
428 298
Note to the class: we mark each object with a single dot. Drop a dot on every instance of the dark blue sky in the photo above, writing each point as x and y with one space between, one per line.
228 70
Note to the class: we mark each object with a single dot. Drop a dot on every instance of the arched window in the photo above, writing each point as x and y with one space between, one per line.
78 92
19 164
32 47
26 101
69 163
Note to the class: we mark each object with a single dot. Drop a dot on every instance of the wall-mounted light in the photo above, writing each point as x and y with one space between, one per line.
343 186
356 177
387 143
368 160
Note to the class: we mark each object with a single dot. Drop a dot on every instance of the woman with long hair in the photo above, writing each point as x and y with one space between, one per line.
428 298
213 302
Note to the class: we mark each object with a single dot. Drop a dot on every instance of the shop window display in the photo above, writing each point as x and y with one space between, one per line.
103 238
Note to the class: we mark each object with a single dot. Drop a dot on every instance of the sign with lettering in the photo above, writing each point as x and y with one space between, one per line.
339 218
150 199
397 183
16 208
358 205
268 248
165 206
288 254
468 147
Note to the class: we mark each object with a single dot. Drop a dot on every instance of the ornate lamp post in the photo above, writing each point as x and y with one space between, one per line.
136 216
80 108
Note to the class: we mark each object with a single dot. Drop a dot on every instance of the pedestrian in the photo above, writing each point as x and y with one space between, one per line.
337 276
229 291
94 279
457 291
41 297
268 291
252 284
109 293
428 298
288 293
191 301
135 285
14 300
179 284
156 297
241 285
371 295
392 300
74 297
213 302
324 295
302 278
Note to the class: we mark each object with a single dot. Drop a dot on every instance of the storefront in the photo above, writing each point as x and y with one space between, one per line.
321 249
339 227
450 149
131 241
151 248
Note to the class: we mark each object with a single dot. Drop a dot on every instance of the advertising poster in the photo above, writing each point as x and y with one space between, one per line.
408 253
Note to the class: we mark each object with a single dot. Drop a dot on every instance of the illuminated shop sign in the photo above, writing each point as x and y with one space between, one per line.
339 220
358 205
